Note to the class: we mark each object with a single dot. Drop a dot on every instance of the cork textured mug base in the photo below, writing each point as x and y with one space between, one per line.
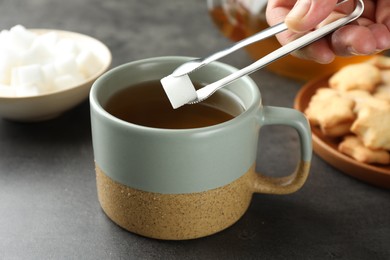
174 216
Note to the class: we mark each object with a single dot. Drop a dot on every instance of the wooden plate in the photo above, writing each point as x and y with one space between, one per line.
326 147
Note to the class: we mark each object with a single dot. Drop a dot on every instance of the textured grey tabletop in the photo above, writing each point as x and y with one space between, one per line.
48 203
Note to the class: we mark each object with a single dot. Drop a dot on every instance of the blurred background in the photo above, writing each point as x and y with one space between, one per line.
48 203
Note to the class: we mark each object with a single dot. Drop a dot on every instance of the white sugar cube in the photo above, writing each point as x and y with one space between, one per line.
6 91
49 40
28 75
5 77
8 60
66 81
4 38
66 46
66 65
20 38
27 90
67 73
49 74
88 63
37 54
179 90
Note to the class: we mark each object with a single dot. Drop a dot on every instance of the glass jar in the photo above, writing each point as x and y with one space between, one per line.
238 19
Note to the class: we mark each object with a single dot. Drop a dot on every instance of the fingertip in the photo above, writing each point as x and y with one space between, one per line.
295 24
318 51
323 58
354 40
307 14
382 35
294 18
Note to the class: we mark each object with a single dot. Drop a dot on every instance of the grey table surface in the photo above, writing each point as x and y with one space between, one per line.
48 202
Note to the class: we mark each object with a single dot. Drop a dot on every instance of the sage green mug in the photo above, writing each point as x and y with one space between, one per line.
185 183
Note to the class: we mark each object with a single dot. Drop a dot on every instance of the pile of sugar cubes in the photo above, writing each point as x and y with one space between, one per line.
33 64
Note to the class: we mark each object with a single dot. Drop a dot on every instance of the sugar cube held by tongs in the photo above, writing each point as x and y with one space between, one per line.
181 91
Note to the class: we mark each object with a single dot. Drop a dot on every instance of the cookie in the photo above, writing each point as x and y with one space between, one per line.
356 94
363 76
372 126
340 129
382 92
331 112
354 147
385 74
363 98
379 61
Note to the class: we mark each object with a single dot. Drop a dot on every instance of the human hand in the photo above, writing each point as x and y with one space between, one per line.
369 34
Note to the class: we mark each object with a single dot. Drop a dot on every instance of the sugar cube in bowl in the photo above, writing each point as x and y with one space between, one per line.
44 73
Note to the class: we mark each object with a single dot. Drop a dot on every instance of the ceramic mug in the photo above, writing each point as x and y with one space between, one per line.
185 183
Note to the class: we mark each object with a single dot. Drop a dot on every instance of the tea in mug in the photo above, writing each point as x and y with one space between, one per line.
146 104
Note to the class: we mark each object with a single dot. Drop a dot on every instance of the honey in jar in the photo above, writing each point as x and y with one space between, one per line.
239 19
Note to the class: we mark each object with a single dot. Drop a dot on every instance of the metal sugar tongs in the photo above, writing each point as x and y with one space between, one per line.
303 41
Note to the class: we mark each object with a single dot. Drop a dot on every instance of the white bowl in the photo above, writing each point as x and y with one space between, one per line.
52 104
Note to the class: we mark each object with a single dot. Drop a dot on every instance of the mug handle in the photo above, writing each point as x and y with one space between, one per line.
293 182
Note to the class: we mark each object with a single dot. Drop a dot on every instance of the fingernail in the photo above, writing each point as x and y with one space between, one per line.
352 51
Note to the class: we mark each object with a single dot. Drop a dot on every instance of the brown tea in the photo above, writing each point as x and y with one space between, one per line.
146 104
